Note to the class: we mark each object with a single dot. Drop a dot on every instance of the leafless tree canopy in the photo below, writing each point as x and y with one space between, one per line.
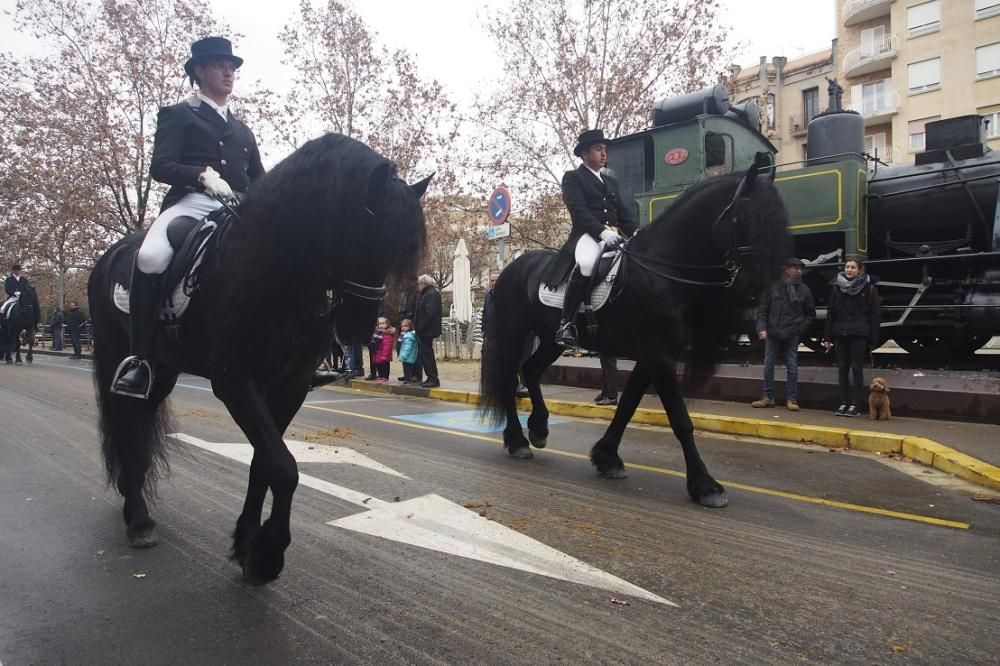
79 121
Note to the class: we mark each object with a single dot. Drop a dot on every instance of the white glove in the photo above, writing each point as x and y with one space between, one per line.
611 238
17 294
215 185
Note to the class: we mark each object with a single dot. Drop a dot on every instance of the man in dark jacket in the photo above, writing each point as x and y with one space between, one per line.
56 326
598 216
427 325
75 318
15 282
205 154
786 312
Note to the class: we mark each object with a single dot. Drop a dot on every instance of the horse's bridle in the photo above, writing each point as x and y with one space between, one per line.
731 257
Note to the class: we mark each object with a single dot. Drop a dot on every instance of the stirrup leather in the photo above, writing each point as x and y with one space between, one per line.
567 334
130 363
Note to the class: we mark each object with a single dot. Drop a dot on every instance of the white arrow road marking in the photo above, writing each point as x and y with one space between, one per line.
304 452
435 523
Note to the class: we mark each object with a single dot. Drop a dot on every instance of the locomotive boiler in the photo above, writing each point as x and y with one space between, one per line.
928 232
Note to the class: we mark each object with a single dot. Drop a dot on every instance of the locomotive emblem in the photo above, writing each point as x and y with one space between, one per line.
676 156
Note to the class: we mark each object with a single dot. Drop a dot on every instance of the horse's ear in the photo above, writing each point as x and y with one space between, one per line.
377 182
420 187
762 160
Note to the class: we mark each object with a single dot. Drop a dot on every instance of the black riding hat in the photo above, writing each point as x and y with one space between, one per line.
210 48
587 139
15 268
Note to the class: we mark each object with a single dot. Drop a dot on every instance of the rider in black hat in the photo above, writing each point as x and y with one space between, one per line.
15 282
205 154
598 216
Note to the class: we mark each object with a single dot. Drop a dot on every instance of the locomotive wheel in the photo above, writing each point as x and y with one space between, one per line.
963 344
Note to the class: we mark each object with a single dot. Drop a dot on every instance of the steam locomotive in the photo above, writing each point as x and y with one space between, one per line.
929 232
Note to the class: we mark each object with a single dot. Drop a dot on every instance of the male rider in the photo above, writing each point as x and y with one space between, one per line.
15 282
598 215
205 154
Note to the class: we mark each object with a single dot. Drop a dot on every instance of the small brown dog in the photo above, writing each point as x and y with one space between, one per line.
878 400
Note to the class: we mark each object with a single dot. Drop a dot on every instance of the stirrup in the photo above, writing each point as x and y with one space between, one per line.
566 336
127 364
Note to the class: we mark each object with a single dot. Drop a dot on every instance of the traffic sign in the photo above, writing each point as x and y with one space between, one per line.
495 231
498 205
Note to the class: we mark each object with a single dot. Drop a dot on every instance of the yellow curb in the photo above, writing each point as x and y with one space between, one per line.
875 442
921 449
968 468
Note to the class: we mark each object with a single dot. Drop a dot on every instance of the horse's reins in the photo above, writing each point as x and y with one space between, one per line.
730 258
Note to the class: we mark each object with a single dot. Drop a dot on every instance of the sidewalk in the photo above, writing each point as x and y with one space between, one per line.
968 450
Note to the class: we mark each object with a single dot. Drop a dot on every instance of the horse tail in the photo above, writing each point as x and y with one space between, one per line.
133 432
504 337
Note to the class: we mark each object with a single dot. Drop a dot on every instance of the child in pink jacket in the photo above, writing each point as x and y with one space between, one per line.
382 344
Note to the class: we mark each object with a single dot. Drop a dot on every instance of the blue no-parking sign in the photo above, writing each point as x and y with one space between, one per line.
498 208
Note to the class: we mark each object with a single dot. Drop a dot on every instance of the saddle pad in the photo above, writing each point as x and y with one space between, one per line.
177 302
8 307
598 297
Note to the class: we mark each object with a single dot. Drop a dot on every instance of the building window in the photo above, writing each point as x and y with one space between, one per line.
874 42
875 146
987 8
875 97
810 105
992 119
917 135
988 61
805 151
924 75
923 19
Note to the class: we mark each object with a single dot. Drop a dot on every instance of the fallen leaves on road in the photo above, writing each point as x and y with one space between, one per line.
894 455
896 647
841 449
139 574
986 498
619 602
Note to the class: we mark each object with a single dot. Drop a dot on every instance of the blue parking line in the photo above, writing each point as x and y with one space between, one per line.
463 419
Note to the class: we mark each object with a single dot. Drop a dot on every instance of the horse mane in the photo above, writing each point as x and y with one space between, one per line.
714 313
327 234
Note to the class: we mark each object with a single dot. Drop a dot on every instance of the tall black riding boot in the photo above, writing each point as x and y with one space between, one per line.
575 291
134 376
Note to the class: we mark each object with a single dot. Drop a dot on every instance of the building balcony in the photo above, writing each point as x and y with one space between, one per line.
877 108
797 124
871 57
887 154
859 11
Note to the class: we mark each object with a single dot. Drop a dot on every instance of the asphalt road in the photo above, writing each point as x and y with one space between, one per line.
898 569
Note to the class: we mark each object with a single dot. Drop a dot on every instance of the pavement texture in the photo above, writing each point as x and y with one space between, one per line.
970 451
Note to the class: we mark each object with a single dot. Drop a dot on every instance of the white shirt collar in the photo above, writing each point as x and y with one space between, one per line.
596 173
221 110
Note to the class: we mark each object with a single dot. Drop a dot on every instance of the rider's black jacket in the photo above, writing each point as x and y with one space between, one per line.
13 284
191 136
594 204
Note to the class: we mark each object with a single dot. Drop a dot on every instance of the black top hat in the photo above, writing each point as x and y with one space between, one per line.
15 268
210 48
587 139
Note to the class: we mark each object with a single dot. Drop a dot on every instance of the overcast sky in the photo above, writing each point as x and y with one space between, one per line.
447 40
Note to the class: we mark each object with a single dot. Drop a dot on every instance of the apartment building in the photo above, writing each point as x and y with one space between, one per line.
902 64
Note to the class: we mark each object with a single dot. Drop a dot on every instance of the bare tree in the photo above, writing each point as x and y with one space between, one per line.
571 65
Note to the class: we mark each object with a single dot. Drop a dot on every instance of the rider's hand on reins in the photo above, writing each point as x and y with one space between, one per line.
611 239
215 185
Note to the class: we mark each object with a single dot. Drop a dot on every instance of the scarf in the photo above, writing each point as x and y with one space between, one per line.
790 282
852 287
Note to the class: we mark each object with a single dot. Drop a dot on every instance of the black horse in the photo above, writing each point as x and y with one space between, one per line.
306 258
688 277
25 315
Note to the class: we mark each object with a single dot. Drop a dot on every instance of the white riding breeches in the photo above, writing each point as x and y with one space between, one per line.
155 254
588 253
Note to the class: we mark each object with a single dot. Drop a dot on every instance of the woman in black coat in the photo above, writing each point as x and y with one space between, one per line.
852 328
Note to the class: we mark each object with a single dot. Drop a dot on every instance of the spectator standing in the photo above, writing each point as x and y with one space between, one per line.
381 346
407 310
75 318
787 310
408 351
609 381
56 326
853 317
427 324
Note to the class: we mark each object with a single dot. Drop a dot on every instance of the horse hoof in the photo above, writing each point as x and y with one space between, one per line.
521 453
17 363
614 473
714 501
538 441
142 541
